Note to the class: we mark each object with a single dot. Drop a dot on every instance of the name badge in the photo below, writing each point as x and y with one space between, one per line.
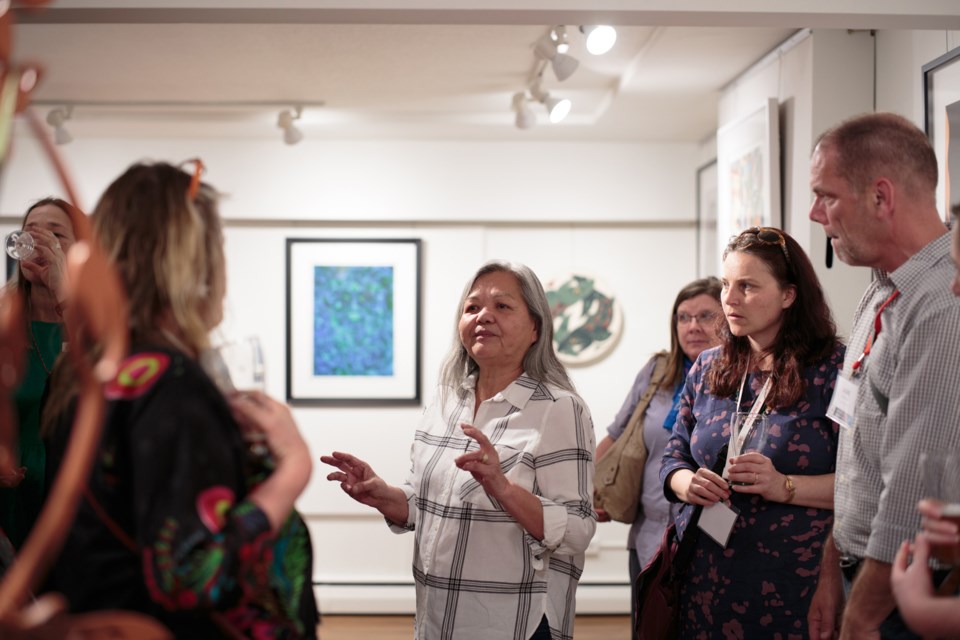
717 521
843 404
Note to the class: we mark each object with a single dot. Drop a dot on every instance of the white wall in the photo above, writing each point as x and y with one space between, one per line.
818 80
620 211
624 212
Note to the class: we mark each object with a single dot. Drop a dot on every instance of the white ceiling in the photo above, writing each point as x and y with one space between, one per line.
403 68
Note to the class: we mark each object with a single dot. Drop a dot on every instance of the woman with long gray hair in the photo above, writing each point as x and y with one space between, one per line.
500 491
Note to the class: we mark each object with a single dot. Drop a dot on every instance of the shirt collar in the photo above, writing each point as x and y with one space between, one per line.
517 393
907 275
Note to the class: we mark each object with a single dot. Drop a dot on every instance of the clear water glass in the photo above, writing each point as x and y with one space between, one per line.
237 366
19 244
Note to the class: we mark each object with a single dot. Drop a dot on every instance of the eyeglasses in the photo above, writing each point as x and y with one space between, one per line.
769 235
198 169
702 318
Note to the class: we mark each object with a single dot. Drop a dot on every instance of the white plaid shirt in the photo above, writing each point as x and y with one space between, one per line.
906 404
479 574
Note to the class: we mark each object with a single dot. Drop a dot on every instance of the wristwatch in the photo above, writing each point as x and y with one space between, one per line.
791 489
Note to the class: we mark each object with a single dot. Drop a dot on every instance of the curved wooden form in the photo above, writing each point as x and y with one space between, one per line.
97 315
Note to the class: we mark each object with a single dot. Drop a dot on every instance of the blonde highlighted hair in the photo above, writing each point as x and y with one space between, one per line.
168 251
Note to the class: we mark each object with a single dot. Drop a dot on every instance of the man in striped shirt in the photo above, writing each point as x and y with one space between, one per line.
874 179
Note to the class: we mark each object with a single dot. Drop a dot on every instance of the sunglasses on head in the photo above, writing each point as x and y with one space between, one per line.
198 169
768 235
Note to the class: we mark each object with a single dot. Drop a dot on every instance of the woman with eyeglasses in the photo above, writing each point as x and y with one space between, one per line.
694 323
182 518
779 356
40 280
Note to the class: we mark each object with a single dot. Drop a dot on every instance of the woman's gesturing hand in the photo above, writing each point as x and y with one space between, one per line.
484 463
358 481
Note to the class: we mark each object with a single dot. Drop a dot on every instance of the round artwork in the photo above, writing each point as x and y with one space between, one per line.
587 319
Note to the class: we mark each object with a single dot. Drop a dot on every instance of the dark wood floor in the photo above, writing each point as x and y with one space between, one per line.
339 627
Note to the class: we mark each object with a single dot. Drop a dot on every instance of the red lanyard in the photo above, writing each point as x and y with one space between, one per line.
877 326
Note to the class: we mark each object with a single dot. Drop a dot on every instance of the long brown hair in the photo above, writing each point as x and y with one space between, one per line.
23 285
807 335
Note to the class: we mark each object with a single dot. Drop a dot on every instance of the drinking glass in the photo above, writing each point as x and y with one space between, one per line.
941 481
237 366
759 431
19 244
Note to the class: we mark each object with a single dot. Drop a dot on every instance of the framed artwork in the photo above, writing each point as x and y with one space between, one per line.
941 105
748 167
353 321
707 259
587 318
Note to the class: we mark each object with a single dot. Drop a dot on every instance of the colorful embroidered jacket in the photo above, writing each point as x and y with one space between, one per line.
166 528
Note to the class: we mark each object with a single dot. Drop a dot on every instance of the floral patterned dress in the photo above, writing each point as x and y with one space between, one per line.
165 527
760 586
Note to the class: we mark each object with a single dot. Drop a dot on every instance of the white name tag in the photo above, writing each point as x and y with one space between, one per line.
717 521
843 404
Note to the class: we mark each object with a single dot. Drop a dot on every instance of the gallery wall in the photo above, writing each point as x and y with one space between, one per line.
623 212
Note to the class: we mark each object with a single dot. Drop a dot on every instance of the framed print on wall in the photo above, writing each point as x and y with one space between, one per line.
353 321
707 260
748 168
941 103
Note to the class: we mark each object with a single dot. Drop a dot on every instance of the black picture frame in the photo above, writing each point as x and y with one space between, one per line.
353 321
941 106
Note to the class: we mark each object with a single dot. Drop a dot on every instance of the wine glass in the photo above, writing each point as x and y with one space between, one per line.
19 244
237 366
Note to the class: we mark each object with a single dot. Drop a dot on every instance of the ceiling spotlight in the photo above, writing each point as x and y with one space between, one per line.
55 118
600 38
559 35
557 108
546 49
525 116
291 134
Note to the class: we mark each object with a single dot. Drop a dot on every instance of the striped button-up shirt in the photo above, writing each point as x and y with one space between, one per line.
906 403
478 573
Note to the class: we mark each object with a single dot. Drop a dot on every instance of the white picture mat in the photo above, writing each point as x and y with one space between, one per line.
304 257
748 165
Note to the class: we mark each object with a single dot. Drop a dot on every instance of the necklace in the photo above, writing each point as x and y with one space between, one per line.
37 348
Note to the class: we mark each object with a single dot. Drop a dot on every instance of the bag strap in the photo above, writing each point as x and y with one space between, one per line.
656 377
684 554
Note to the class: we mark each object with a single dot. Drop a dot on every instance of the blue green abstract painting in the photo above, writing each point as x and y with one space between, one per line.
353 321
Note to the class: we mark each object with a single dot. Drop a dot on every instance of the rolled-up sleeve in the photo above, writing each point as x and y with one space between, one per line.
564 479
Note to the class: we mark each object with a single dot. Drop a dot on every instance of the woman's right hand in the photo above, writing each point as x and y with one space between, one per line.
703 487
49 262
357 479
258 413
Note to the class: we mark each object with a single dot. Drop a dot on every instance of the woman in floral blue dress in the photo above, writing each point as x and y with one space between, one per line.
779 349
